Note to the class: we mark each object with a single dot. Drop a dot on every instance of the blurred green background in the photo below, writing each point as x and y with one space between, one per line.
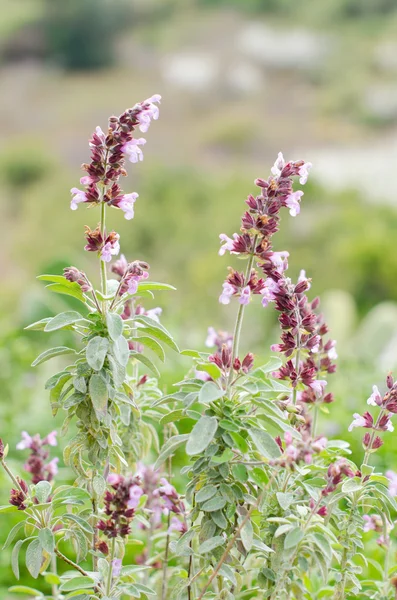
240 80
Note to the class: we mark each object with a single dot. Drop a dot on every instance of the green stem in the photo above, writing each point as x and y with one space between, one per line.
103 264
54 587
240 315
314 422
387 558
110 573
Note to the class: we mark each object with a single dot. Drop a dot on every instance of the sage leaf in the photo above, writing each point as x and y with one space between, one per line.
264 443
96 351
34 556
99 394
211 544
201 435
115 325
293 538
51 353
210 392
63 320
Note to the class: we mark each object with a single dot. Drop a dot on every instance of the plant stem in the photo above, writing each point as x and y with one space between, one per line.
387 558
314 421
54 587
110 573
230 545
167 543
103 264
240 315
71 563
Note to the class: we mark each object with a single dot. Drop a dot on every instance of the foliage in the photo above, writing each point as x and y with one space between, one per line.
271 506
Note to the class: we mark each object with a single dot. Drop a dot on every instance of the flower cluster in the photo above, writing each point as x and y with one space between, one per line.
108 154
120 505
296 450
18 496
388 407
105 245
172 503
75 276
335 474
222 358
36 463
259 223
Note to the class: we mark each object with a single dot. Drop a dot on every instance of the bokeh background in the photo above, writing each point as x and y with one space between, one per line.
240 80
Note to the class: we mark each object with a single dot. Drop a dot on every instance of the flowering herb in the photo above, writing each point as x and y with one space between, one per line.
272 508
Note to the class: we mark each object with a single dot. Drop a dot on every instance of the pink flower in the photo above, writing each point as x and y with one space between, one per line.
78 196
304 172
358 421
177 525
110 249
245 295
375 398
269 291
227 243
127 205
154 313
116 564
202 375
51 439
114 479
278 165
280 260
132 150
151 111
318 386
392 477
135 494
52 467
228 291
212 336
26 441
293 203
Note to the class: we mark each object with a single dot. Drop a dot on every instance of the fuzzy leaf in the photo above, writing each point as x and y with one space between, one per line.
63 320
293 538
81 522
68 290
51 353
206 493
247 535
170 447
264 443
38 325
201 435
96 351
34 556
210 392
47 541
211 368
156 330
42 491
77 583
115 325
14 531
99 394
211 544
153 285
146 361
153 345
121 351
23 589
215 503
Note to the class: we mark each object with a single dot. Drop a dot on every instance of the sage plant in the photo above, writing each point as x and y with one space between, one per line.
271 508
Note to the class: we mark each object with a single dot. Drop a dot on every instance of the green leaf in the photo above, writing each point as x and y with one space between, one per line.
239 441
96 351
352 485
8 508
247 535
293 538
145 589
240 473
210 392
206 493
146 361
23 589
51 353
14 531
272 364
99 394
115 325
228 573
38 325
52 579
201 435
68 290
153 345
121 351
63 320
210 368
169 448
264 443
157 331
324 545
192 353
153 285
99 485
47 541
172 416
85 526
54 279
285 499
77 583
34 556
211 544
215 503
42 491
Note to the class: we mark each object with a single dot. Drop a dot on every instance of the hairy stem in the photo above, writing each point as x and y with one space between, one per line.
71 563
110 573
104 286
240 316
